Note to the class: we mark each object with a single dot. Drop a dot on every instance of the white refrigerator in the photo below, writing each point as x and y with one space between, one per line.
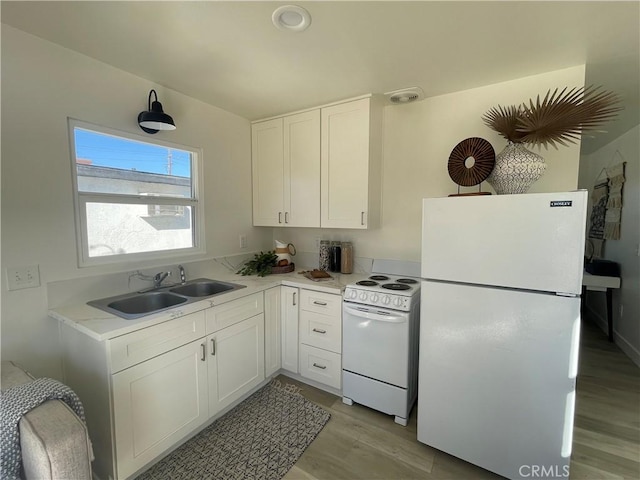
500 328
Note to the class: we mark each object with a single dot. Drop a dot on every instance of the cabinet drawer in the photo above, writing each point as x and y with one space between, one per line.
144 344
321 366
222 316
321 331
323 303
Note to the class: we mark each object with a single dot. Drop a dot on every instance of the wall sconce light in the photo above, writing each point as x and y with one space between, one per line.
154 120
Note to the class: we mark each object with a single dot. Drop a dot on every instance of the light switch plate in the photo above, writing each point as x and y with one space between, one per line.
23 277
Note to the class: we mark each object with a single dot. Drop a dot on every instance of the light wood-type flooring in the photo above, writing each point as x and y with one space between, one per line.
360 443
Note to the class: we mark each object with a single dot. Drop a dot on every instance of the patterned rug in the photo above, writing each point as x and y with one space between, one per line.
261 438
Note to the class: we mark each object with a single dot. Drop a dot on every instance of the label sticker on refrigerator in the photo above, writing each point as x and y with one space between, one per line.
560 203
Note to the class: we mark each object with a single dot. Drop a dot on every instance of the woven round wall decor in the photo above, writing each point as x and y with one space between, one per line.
484 159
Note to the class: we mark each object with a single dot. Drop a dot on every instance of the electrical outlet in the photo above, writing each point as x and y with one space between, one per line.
243 241
23 277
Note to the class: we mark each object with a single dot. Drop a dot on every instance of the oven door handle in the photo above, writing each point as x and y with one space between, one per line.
377 316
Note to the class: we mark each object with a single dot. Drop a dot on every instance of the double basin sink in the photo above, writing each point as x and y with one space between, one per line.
135 305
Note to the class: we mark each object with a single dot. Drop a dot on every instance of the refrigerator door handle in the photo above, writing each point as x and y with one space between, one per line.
378 316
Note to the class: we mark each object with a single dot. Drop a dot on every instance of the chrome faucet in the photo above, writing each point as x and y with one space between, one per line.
159 278
183 277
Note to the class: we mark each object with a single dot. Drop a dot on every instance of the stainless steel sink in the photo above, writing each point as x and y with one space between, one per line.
204 288
135 305
147 302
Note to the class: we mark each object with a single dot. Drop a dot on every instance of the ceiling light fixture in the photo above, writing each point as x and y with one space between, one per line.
405 95
154 120
291 17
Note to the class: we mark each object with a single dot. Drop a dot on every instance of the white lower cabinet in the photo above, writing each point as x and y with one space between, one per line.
156 403
290 301
236 361
146 391
272 331
321 337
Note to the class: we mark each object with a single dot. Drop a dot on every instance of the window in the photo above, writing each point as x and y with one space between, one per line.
134 198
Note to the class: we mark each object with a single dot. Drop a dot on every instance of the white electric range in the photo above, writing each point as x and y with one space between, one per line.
380 336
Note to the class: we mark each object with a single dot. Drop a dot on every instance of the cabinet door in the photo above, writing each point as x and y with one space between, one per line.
157 403
272 331
344 165
267 170
302 169
290 300
236 356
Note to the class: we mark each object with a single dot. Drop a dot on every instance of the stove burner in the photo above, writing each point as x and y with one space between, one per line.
367 283
378 277
396 286
406 280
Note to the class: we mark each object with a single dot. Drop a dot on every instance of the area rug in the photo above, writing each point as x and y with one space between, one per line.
261 438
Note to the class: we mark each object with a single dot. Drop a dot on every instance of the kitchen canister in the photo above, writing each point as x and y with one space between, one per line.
346 257
324 255
335 257
284 252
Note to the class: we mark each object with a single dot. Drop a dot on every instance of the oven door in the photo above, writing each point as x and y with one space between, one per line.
375 343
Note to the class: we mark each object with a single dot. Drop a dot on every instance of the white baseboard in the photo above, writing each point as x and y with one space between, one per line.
631 352
624 345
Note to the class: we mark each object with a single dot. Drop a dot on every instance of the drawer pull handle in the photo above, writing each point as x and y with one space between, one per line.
322 304
317 330
320 366
213 346
203 346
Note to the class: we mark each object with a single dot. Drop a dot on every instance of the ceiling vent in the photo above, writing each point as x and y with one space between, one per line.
406 95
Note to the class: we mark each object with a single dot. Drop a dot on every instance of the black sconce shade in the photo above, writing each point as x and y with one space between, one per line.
154 120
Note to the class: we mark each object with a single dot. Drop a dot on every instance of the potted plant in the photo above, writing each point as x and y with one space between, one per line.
560 118
260 264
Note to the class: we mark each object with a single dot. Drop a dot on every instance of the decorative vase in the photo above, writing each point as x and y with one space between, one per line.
516 169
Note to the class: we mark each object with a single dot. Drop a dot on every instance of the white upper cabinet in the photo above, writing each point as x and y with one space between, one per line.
351 158
267 170
286 171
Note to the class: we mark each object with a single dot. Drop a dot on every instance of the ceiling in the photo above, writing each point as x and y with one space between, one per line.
230 55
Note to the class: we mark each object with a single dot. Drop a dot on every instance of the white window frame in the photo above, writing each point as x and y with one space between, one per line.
81 199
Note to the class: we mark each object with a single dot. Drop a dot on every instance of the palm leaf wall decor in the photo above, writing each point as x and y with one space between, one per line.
560 118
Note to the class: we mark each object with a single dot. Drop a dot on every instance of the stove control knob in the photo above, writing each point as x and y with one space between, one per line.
386 300
352 294
375 298
397 301
363 296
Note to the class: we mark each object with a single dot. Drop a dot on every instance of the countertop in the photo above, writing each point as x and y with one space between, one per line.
101 325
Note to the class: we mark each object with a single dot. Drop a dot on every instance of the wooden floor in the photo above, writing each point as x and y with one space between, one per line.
360 443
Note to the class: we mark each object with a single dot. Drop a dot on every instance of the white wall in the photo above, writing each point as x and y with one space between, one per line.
418 139
625 251
42 85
